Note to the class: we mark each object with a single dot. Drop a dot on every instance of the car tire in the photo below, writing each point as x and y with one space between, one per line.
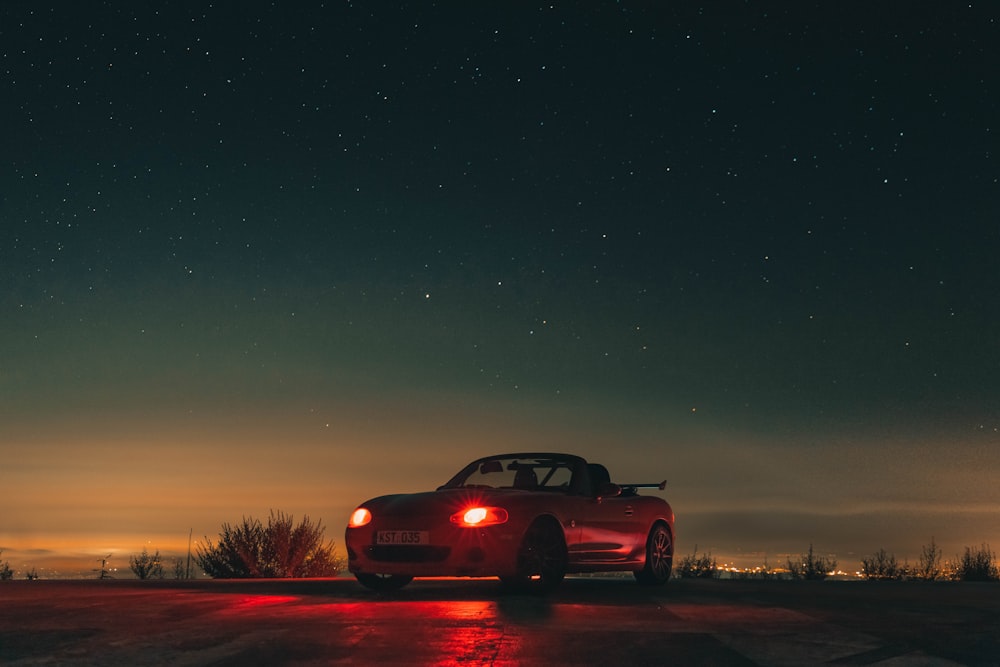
542 554
659 557
382 582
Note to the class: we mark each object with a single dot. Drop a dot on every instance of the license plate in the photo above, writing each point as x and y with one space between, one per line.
402 537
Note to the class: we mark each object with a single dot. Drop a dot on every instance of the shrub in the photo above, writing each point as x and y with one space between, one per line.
881 565
763 572
6 574
181 569
811 567
146 566
280 549
698 567
978 564
929 566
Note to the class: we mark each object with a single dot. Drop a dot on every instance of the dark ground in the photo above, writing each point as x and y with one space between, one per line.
474 622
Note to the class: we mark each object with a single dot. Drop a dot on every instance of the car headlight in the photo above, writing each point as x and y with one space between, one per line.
474 517
360 517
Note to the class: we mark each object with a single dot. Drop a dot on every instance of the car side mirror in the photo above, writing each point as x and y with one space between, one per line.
609 490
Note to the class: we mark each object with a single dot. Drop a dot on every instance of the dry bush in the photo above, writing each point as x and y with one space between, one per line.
279 549
6 574
698 567
146 565
978 564
930 567
811 567
882 565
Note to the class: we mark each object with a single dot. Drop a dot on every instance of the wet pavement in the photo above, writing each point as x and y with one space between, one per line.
587 621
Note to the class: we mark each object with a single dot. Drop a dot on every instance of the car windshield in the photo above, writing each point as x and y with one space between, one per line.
529 473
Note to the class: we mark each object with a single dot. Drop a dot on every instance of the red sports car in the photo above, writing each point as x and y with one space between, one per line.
520 517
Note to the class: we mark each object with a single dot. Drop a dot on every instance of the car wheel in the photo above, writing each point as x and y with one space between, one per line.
382 582
659 557
542 554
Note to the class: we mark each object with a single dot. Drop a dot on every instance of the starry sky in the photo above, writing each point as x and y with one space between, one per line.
290 255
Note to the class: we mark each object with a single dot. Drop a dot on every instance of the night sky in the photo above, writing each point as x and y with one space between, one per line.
294 255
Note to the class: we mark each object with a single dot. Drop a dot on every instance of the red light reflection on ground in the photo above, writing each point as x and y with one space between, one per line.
455 632
467 632
248 603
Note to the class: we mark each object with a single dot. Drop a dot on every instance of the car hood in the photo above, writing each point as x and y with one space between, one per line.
449 500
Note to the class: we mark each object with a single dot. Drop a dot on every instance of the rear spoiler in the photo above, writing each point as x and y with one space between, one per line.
661 485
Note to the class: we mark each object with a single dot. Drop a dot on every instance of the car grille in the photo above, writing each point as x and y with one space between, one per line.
410 553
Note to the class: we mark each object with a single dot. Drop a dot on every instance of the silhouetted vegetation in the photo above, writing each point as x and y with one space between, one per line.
279 549
978 564
181 569
6 574
146 565
761 573
882 566
811 567
698 567
930 567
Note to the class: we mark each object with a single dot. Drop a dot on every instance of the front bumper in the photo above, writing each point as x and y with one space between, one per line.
452 552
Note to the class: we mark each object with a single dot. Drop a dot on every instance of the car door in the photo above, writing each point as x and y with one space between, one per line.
608 530
608 525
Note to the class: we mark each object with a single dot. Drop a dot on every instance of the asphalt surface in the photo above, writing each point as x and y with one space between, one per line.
475 622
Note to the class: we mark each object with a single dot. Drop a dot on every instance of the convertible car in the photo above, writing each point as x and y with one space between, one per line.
528 519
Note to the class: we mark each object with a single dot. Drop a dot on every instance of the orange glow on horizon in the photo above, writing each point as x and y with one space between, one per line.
85 486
